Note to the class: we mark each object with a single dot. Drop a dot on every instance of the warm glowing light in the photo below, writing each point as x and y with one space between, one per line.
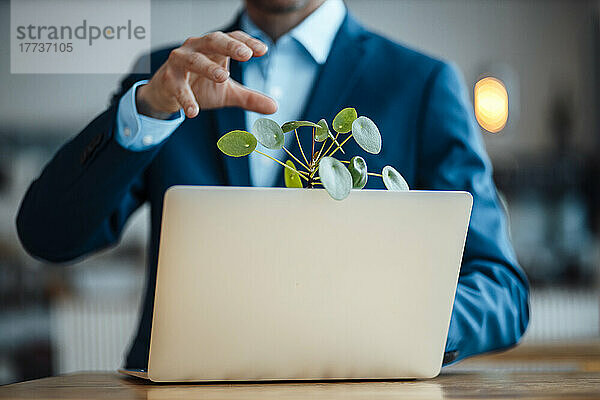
491 104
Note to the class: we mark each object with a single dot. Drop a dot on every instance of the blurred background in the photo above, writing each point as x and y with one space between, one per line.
541 55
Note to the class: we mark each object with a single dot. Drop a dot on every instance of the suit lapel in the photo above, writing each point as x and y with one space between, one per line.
335 81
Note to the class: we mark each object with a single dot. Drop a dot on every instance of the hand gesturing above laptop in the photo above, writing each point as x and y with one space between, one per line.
196 76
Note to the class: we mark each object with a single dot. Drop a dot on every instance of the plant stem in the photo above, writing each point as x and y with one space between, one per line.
300 173
342 150
312 156
312 162
300 145
330 146
374 174
321 149
341 144
294 157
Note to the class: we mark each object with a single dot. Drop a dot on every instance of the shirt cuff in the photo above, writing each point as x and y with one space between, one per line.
138 132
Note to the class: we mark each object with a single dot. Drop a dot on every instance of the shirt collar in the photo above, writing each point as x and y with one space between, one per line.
316 33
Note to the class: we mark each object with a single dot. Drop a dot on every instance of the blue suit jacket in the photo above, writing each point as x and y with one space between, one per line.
86 193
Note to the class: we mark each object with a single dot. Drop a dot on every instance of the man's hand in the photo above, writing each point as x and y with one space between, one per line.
196 76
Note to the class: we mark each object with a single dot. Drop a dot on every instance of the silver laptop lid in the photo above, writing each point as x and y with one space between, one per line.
268 284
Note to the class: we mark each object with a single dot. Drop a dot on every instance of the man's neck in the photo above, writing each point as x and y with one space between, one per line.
278 24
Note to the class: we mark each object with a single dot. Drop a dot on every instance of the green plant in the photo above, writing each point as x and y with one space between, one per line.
323 169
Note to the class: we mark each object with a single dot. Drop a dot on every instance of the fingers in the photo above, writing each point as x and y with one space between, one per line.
188 60
258 47
222 44
241 96
198 54
181 90
240 46
208 57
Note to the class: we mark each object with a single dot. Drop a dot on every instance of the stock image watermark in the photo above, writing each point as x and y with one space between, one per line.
79 36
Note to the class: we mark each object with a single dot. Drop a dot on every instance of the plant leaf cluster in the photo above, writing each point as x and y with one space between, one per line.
338 177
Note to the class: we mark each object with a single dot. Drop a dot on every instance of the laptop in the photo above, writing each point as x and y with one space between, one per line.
271 284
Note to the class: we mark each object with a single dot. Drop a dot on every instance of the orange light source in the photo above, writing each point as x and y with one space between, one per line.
491 104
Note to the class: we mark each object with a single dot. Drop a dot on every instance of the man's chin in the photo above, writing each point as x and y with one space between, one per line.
278 6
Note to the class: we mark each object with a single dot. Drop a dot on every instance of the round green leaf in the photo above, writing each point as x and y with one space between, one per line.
291 125
393 180
268 133
335 177
322 132
342 123
367 135
292 179
358 170
237 143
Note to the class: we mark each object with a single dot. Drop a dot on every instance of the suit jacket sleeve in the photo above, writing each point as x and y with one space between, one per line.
491 305
85 194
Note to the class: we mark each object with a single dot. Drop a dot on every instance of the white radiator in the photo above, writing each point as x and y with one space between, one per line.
91 334
563 314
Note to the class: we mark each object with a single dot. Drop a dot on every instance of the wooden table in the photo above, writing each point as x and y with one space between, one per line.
532 372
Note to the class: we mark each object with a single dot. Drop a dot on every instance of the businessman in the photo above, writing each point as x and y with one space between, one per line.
294 59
